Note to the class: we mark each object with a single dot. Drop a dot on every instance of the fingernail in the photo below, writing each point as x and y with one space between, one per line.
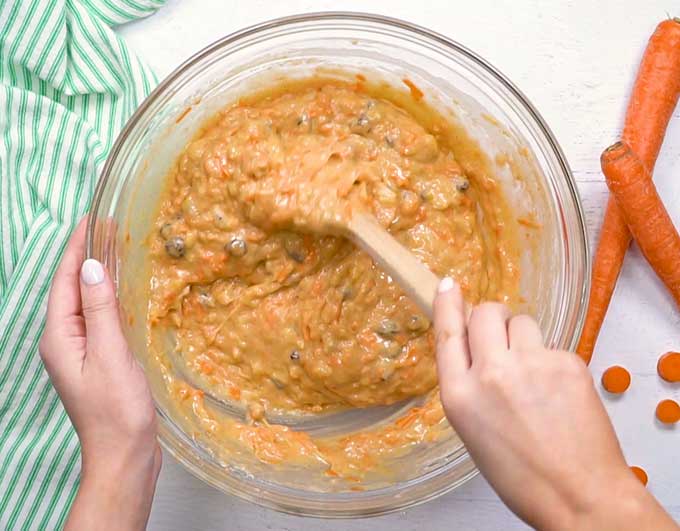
91 272
446 284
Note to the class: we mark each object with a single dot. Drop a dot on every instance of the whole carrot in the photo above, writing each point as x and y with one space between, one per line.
647 218
652 101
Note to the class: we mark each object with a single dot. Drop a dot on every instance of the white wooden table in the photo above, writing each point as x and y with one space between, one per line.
575 60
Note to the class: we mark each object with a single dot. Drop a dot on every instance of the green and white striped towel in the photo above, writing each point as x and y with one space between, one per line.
67 86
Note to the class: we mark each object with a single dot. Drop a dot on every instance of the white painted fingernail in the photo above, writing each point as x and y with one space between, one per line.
91 272
446 284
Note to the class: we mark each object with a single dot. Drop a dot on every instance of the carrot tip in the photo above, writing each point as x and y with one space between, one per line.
615 146
614 152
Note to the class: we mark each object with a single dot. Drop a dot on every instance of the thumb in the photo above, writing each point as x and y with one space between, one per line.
450 325
100 310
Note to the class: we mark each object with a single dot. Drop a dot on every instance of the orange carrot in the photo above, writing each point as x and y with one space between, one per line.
614 240
668 411
668 366
652 101
640 474
643 210
616 379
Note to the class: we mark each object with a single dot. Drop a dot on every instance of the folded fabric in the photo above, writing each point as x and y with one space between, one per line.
67 86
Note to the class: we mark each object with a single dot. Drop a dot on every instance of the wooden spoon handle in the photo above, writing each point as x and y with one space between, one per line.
412 275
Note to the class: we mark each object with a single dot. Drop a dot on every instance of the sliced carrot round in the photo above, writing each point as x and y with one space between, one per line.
668 411
640 474
668 366
616 379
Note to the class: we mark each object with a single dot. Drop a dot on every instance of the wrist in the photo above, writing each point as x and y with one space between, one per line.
120 471
116 489
118 459
621 502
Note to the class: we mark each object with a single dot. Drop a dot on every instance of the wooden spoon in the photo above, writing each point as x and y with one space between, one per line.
412 275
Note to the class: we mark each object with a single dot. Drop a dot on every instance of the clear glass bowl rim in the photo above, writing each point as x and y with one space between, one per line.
256 495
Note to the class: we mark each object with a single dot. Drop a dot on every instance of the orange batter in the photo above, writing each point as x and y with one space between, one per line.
270 311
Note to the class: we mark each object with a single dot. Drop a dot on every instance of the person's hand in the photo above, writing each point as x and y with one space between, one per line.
105 394
533 423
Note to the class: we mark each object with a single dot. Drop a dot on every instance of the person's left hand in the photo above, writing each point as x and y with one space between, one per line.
105 394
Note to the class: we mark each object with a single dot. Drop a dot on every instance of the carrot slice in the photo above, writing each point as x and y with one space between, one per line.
644 212
640 474
668 366
616 379
668 411
652 101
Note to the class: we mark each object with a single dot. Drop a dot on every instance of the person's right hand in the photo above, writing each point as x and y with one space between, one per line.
533 422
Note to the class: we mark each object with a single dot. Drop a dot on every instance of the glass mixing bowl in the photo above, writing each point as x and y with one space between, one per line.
517 147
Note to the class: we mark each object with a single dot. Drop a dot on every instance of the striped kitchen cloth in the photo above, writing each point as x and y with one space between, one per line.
67 86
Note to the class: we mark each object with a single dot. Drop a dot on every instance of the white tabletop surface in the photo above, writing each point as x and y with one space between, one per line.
575 60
